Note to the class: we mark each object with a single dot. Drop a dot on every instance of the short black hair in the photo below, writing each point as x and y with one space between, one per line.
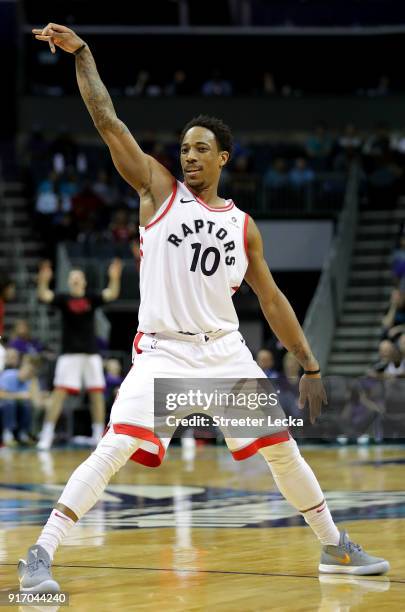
222 131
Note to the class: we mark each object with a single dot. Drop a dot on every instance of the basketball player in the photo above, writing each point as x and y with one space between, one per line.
79 362
196 250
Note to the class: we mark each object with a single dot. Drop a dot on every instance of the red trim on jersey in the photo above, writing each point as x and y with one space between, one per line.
251 449
137 340
95 389
245 240
70 390
168 207
142 456
235 289
200 201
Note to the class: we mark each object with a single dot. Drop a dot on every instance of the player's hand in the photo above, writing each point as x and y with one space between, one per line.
45 273
312 391
115 269
59 36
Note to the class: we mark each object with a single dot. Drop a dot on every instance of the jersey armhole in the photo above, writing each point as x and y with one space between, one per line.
245 237
159 215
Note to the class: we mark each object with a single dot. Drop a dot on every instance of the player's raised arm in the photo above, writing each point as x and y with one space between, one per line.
112 291
45 275
141 171
281 318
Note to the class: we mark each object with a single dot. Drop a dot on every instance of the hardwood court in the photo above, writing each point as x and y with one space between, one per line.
209 533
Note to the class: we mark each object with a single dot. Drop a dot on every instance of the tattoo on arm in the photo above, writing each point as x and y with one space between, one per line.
303 356
95 94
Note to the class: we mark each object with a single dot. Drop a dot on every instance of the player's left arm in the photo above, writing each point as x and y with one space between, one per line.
112 291
283 321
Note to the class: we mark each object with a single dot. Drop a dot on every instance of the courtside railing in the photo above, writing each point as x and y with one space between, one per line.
327 303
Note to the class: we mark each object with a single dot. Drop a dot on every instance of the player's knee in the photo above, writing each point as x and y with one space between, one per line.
282 457
114 450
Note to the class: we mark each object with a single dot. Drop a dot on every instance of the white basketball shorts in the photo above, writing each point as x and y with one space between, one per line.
160 356
77 370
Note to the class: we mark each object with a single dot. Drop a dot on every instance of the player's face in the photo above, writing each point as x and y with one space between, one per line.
77 281
201 160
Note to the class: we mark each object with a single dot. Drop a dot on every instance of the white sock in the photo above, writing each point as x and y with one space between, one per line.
321 522
54 531
298 484
48 429
8 436
97 430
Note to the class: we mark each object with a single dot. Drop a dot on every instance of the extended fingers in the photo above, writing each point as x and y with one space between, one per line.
53 26
314 409
302 400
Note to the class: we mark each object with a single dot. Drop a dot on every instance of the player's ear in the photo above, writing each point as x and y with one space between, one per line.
223 158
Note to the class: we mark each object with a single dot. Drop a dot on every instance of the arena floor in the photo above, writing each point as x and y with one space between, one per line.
205 532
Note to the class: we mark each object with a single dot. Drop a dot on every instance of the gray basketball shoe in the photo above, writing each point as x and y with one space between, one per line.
35 573
350 558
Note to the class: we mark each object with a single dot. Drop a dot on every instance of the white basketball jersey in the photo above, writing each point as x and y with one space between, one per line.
193 259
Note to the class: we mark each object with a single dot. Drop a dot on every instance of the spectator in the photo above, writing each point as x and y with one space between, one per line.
68 188
359 413
319 146
217 86
179 85
104 189
160 154
382 89
7 294
144 86
65 150
269 85
386 352
289 383
12 359
47 202
19 392
2 356
265 360
243 185
80 362
86 205
378 142
21 339
401 346
396 312
276 176
139 89
301 175
113 379
121 229
350 139
398 263
396 366
348 148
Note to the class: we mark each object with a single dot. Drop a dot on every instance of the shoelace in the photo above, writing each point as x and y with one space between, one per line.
353 547
33 565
